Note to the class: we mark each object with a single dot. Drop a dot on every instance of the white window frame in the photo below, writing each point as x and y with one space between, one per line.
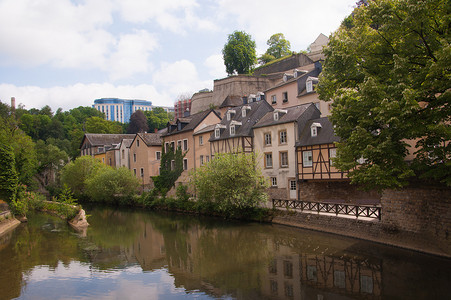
158 155
282 163
274 181
332 154
268 162
268 139
283 137
232 129
217 132
201 140
307 158
273 99
314 131
276 116
185 164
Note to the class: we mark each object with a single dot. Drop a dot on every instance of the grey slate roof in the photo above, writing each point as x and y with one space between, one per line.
127 142
293 114
190 122
303 79
257 111
102 139
325 135
151 139
231 101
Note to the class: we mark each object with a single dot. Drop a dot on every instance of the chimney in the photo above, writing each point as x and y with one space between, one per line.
13 104
156 130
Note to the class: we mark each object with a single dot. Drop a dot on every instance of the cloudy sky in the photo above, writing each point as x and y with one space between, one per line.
66 53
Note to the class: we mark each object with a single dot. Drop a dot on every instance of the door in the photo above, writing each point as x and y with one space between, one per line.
292 189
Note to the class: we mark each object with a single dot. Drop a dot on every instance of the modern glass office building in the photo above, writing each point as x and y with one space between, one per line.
120 110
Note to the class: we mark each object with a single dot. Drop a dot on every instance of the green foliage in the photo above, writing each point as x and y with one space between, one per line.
230 183
111 185
8 174
387 71
265 58
75 173
169 172
66 196
157 118
278 46
100 125
239 53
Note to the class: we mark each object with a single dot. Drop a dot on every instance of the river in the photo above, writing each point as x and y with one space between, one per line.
135 254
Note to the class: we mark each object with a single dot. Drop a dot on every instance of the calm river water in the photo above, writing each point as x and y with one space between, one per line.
146 255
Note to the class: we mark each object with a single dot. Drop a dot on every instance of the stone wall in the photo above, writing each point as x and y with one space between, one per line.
412 218
292 62
336 192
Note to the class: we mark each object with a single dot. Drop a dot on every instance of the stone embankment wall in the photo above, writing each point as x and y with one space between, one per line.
412 218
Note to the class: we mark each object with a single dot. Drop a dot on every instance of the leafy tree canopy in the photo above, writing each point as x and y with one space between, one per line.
278 46
100 125
157 118
239 53
388 73
138 123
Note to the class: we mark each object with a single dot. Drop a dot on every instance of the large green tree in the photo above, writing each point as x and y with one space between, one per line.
138 122
157 118
239 53
388 73
278 46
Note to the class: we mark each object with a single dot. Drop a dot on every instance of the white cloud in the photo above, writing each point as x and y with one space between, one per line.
300 21
132 55
216 67
179 77
68 97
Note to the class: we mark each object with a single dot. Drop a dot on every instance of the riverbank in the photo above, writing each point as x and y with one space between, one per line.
8 224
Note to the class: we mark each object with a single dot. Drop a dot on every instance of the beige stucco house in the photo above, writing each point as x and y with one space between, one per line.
181 134
275 137
145 156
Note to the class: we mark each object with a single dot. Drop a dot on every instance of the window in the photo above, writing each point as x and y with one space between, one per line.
273 99
201 160
232 129
158 155
166 147
307 158
185 145
228 116
273 181
268 140
201 140
123 154
272 268
137 143
283 137
134 172
179 144
243 112
134 157
309 86
172 164
288 269
142 172
366 284
285 97
109 162
217 132
283 159
268 160
173 146
292 185
340 279
332 154
276 116
314 131
273 285
185 164
207 158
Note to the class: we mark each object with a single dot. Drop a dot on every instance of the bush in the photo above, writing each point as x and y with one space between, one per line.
231 184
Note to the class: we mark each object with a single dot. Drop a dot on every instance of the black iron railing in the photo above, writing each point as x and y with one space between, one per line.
335 208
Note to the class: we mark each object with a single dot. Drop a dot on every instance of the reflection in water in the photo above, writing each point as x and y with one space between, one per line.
141 255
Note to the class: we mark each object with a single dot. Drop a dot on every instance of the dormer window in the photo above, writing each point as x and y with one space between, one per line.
309 86
230 114
314 129
276 116
285 77
244 109
232 129
217 132
276 113
295 73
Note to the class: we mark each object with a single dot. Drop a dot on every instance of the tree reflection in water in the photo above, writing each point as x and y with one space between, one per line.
210 258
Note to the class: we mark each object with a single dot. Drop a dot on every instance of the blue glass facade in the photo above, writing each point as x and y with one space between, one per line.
120 109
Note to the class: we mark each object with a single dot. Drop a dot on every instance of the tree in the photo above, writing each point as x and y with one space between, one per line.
387 71
100 125
239 53
278 46
157 118
138 123
8 174
230 182
265 58
171 167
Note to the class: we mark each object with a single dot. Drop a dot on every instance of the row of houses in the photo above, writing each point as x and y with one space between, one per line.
276 113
